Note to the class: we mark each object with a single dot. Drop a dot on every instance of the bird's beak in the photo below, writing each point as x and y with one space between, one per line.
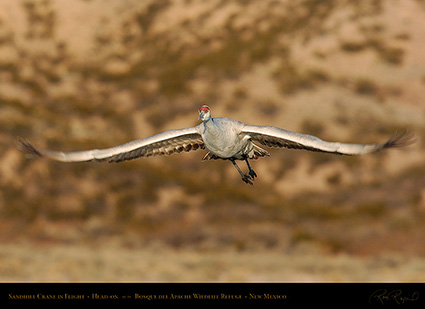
201 115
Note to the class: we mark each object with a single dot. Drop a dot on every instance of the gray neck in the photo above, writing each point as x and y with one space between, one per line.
211 126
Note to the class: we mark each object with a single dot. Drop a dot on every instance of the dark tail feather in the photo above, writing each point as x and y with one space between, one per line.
260 152
209 156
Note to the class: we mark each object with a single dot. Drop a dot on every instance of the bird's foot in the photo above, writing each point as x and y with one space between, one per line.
252 173
247 179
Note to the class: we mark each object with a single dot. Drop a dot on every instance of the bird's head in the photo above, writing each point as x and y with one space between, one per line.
204 113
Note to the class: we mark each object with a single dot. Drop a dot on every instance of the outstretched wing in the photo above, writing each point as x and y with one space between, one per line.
279 138
166 143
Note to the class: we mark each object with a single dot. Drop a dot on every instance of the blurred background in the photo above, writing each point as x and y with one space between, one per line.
85 74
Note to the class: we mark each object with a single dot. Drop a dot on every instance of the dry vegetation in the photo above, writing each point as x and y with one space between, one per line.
96 73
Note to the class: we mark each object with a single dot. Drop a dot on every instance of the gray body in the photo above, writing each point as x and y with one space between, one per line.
224 138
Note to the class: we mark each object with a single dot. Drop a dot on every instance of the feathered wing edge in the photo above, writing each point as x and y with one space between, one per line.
166 143
27 147
278 138
400 140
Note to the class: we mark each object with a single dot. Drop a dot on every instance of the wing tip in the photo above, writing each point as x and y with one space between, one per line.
400 140
27 147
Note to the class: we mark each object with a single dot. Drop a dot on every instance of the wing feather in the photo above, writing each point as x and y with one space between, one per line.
166 143
280 138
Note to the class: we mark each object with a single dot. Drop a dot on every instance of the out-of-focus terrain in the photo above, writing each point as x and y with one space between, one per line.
77 75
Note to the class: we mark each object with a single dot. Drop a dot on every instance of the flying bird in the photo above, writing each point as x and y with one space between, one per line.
223 138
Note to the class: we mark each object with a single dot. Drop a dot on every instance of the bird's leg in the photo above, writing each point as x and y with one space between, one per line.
245 178
252 173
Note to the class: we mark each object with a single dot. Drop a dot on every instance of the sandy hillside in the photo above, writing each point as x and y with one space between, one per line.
87 74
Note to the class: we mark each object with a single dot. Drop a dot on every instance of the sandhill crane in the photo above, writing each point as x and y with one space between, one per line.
223 138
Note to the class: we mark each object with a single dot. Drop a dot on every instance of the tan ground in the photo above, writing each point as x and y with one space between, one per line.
93 73
112 262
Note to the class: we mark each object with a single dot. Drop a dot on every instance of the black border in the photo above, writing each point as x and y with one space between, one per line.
150 294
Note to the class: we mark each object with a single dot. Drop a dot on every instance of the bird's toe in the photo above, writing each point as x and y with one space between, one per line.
253 174
247 179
